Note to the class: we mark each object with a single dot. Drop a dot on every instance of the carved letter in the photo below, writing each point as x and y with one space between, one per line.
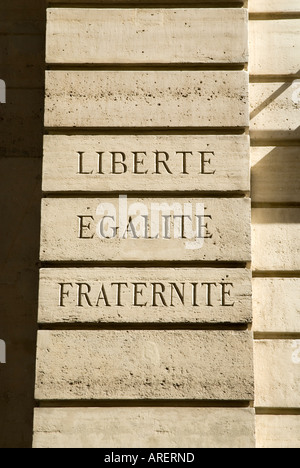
226 293
80 164
81 294
114 163
203 161
203 227
157 293
102 296
161 161
119 292
138 292
138 162
83 227
184 162
208 293
63 294
178 292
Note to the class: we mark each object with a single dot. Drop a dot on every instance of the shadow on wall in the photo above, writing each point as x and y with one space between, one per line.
22 29
275 121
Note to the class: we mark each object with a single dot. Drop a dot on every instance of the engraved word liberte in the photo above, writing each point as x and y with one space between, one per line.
143 162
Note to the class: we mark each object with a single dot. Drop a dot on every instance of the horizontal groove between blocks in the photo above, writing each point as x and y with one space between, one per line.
143 403
147 67
141 326
142 264
278 411
145 131
276 336
276 274
145 4
148 194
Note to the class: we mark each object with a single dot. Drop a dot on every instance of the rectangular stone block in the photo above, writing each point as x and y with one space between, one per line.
275 111
273 6
276 305
172 163
277 431
149 295
277 373
144 428
275 234
274 47
275 174
148 365
107 36
128 229
165 99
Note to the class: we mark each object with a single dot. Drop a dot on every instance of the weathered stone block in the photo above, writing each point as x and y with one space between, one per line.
149 295
103 365
172 163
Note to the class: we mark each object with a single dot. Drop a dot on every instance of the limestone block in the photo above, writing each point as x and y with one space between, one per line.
144 428
275 110
275 234
277 431
117 99
136 364
149 295
273 6
275 174
135 229
276 305
147 36
191 163
277 373
274 47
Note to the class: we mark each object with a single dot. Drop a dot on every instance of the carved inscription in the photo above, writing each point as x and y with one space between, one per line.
145 294
146 163
143 163
121 228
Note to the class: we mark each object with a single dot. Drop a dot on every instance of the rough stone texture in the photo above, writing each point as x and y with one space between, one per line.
273 6
227 169
277 431
277 373
96 365
275 233
275 111
274 47
135 303
126 36
275 174
146 99
64 237
144 428
276 305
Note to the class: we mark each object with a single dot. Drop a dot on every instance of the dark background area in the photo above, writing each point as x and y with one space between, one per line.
22 66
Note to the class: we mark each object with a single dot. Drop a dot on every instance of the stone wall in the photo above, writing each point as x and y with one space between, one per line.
146 343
